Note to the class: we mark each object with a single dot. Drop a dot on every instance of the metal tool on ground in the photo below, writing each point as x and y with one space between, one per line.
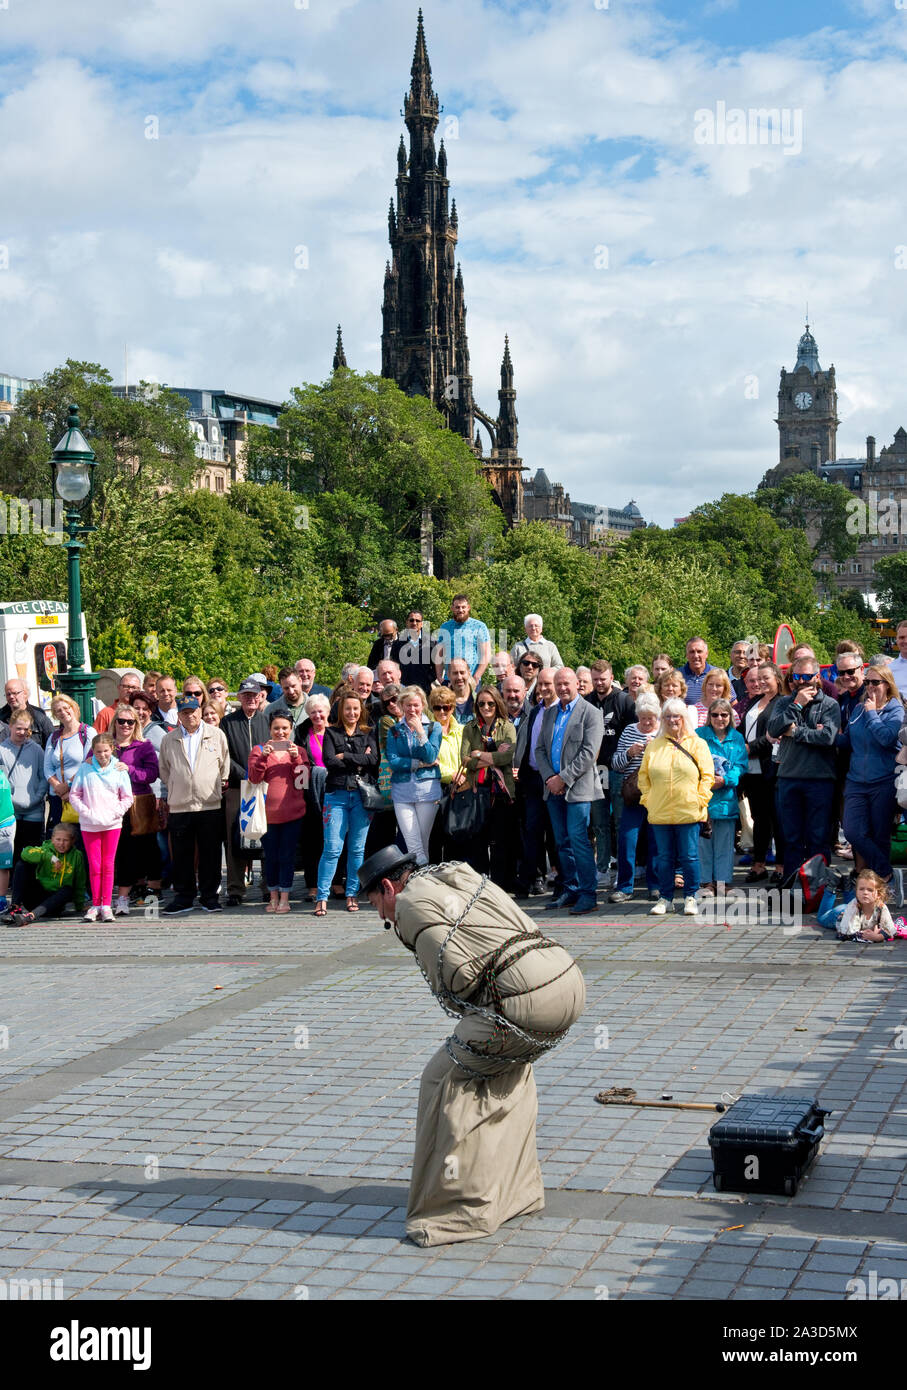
625 1095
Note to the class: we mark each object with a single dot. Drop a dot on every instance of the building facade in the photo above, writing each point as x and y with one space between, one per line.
219 420
807 428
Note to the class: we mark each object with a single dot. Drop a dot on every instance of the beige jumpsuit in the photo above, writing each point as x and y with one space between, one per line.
475 1163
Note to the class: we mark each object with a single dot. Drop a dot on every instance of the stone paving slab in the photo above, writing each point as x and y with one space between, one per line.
537 1258
52 1019
304 1089
242 1094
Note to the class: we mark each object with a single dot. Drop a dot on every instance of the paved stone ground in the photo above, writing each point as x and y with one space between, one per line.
224 1107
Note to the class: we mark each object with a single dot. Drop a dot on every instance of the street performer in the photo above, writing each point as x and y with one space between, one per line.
515 994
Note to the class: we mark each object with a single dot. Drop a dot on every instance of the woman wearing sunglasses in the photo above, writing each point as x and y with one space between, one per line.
871 734
807 722
138 857
489 742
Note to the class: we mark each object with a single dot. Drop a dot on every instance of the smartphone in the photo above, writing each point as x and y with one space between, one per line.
280 745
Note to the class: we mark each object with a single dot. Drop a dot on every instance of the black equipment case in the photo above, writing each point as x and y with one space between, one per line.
765 1143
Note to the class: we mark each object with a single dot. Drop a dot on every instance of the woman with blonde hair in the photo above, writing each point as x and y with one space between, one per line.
675 781
66 750
872 733
716 685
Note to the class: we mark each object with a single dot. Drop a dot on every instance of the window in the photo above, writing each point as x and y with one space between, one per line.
840 567
856 567
792 451
219 483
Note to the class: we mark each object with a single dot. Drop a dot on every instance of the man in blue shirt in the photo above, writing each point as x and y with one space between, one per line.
696 669
463 637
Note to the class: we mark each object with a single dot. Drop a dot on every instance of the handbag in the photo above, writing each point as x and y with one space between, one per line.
463 814
70 815
629 788
143 814
371 796
384 780
252 816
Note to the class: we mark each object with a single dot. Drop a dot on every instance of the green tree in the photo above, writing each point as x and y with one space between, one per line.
804 502
370 462
146 440
891 586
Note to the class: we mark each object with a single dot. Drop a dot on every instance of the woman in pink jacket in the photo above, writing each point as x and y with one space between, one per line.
101 793
284 766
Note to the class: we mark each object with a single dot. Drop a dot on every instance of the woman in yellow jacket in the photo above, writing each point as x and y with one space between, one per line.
675 782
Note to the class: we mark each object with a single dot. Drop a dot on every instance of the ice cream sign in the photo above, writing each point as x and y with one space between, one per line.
51 669
20 650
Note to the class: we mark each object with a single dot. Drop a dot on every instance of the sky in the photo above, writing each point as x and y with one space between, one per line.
164 165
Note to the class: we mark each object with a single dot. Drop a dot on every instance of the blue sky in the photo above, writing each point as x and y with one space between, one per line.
574 130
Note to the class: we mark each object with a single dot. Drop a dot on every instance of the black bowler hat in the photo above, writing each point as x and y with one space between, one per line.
384 864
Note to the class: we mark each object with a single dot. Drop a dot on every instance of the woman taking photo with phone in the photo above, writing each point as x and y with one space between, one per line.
871 734
283 766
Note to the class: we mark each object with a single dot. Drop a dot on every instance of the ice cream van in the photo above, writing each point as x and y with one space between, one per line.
34 639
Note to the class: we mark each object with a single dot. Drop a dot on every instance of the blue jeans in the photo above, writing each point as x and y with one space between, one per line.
805 812
600 820
676 844
343 811
716 855
279 843
570 823
631 822
869 809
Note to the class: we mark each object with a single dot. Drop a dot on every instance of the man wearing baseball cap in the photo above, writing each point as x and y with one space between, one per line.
242 729
517 993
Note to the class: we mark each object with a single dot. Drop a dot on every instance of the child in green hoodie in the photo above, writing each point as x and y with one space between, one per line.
59 874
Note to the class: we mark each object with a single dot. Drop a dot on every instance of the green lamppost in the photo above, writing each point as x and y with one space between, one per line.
73 466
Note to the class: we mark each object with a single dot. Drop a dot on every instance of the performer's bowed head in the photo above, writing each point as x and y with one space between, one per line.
382 877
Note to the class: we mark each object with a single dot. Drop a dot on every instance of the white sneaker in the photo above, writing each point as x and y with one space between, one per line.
91 915
690 907
604 880
122 907
106 914
659 909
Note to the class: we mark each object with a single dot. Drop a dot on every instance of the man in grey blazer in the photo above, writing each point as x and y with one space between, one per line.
566 755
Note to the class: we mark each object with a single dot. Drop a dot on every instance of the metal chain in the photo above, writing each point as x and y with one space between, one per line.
443 994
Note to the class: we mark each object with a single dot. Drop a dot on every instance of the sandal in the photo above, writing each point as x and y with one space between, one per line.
352 905
321 908
279 911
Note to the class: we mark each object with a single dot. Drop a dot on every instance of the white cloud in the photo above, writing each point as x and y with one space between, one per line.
278 129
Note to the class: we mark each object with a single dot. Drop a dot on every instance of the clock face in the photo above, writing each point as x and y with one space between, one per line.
803 400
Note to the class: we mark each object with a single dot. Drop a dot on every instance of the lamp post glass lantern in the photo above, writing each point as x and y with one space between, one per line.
72 466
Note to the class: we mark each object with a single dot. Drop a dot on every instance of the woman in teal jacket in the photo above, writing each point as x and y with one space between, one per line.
728 750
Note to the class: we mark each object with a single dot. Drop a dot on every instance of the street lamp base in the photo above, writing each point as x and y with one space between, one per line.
80 685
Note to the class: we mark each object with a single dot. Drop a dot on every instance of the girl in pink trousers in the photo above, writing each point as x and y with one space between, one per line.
102 794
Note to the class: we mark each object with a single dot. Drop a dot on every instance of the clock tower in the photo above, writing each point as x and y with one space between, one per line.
807 411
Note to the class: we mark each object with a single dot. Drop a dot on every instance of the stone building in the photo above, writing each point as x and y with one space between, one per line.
807 427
